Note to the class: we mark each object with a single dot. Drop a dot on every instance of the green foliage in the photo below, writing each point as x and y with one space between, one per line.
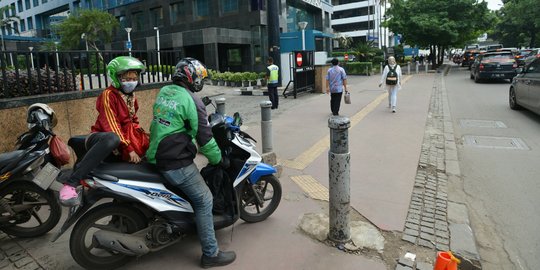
227 76
6 22
165 69
97 25
365 51
518 24
262 75
359 68
253 76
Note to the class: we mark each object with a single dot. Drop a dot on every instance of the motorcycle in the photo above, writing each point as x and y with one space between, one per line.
28 207
142 213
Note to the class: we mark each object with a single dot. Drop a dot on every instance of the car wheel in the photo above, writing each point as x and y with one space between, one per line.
512 100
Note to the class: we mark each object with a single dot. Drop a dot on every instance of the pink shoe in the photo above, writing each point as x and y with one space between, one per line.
69 196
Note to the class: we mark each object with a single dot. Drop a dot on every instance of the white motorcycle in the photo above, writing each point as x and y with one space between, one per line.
139 212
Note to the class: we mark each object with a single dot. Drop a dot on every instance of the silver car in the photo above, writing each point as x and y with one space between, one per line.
525 88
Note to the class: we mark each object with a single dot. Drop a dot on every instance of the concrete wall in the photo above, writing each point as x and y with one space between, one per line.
75 117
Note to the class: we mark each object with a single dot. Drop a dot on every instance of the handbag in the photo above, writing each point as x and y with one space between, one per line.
347 98
60 151
138 139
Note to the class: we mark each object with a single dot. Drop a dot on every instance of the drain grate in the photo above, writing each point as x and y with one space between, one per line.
495 142
482 123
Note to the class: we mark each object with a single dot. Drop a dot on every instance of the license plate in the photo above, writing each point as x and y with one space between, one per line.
46 176
497 75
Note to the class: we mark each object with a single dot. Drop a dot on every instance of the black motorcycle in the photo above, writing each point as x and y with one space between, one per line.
28 207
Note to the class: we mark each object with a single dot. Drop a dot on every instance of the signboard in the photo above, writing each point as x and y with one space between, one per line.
302 72
298 59
346 57
303 58
128 44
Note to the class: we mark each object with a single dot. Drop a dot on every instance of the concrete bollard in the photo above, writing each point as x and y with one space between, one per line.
416 66
339 179
382 67
266 127
408 68
427 67
220 106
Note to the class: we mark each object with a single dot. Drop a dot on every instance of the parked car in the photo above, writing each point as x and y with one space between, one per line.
494 65
520 56
525 89
533 54
468 57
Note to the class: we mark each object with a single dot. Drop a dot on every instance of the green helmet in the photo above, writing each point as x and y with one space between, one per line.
122 64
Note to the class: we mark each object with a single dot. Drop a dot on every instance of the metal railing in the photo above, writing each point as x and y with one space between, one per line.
26 73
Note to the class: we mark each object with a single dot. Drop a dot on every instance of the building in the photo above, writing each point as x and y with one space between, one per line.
361 20
225 34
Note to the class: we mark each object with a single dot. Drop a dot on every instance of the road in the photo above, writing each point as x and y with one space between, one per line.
500 182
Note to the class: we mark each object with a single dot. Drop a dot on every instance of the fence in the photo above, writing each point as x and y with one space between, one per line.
26 73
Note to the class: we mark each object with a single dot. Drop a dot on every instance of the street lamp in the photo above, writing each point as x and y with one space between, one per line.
56 50
31 57
303 26
83 36
158 52
128 30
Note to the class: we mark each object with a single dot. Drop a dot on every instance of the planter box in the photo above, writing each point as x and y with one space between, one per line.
245 83
221 82
253 83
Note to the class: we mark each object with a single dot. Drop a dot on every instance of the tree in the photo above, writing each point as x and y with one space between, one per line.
96 25
438 24
518 24
6 22
344 41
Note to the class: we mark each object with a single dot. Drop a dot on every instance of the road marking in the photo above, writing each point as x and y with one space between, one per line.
308 156
311 186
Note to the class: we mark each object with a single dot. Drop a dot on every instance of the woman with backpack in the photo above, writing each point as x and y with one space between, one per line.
391 76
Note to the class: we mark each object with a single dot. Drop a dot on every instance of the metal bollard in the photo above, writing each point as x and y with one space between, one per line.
416 66
220 106
409 68
339 179
266 127
382 67
427 66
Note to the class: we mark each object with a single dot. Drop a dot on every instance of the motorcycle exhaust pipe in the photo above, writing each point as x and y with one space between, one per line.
124 243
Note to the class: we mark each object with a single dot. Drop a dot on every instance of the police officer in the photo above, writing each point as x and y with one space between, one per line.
272 76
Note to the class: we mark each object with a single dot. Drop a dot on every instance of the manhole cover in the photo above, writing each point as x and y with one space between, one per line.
495 142
482 123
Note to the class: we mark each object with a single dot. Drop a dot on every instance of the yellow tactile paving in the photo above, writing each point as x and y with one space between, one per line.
311 186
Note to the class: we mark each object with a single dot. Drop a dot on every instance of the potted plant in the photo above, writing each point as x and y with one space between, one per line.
237 79
262 76
219 78
245 79
213 76
227 77
253 78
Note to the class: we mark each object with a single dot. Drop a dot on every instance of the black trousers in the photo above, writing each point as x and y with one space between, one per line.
99 147
335 102
274 96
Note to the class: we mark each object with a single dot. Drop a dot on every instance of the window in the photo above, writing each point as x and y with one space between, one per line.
156 17
27 4
23 25
20 6
36 3
30 23
15 27
177 12
138 21
229 6
44 1
202 8
13 11
257 5
327 19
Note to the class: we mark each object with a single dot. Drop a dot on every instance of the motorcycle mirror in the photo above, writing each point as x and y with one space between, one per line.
206 101
237 119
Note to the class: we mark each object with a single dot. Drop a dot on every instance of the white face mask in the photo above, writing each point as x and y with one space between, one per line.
128 87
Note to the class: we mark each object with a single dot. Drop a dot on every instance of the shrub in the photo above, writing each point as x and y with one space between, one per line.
359 68
165 69
21 87
253 76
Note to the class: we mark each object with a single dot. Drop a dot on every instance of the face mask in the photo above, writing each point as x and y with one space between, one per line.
128 87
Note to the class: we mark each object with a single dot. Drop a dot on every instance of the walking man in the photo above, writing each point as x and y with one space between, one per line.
336 82
272 75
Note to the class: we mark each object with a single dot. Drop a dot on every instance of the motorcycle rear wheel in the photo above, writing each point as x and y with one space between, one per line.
269 189
109 216
35 221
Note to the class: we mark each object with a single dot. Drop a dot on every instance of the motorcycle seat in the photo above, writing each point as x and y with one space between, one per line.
144 171
7 158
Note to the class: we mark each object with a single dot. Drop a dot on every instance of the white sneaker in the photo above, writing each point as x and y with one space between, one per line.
394 109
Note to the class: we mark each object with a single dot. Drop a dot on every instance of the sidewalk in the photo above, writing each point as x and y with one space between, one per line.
385 149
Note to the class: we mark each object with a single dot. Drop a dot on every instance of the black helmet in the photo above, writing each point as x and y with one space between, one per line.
191 73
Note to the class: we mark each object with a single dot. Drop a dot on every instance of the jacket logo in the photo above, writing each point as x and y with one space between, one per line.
171 104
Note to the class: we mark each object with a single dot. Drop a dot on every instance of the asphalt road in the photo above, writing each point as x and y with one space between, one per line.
501 184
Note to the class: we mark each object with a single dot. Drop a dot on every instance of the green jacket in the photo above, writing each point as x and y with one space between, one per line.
180 117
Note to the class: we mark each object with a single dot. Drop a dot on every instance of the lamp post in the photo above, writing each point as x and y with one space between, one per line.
56 52
128 30
83 36
158 52
31 56
303 26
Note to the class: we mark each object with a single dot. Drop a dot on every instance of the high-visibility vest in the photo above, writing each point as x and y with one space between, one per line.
274 74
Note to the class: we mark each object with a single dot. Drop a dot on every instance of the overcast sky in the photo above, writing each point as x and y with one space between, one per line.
494 4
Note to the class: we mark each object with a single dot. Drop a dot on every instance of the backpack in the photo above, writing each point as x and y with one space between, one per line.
391 77
219 183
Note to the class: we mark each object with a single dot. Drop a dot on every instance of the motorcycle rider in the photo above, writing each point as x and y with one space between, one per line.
179 117
117 107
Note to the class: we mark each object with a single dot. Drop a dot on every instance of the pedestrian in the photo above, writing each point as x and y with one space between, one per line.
109 140
272 76
180 118
336 83
391 77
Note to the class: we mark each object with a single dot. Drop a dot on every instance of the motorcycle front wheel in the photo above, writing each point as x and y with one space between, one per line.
269 190
36 210
109 216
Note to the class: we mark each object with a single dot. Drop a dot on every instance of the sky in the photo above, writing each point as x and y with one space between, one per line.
494 4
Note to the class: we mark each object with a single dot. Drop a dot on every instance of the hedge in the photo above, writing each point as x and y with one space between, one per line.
359 68
65 83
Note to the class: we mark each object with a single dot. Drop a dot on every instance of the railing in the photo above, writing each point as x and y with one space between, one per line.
26 73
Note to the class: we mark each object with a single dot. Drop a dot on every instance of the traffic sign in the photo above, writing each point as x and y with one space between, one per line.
346 57
299 59
128 44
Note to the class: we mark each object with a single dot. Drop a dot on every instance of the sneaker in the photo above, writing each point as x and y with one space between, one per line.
394 109
221 259
69 196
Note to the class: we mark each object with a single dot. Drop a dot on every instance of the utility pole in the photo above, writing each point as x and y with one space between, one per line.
273 33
